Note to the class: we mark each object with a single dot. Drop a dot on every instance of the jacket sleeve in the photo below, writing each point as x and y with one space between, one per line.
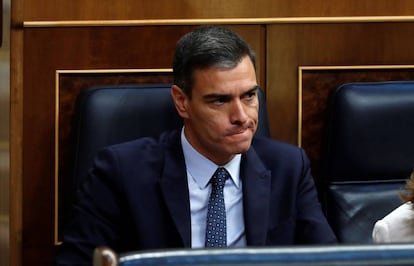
312 226
380 233
95 216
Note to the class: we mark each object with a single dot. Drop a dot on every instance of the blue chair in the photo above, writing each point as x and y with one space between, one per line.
368 155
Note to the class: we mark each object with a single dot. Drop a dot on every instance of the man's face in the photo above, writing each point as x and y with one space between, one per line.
222 115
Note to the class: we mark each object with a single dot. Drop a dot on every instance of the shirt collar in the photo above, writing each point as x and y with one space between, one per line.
202 169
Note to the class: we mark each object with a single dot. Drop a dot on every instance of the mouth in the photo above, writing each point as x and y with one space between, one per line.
242 129
239 138
240 132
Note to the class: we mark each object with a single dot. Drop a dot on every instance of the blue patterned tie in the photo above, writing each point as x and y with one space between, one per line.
216 235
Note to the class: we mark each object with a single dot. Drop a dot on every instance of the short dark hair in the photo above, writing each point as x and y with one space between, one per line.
204 47
408 194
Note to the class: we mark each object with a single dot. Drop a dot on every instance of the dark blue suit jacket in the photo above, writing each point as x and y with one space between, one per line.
136 197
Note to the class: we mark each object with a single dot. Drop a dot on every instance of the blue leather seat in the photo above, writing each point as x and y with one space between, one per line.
368 155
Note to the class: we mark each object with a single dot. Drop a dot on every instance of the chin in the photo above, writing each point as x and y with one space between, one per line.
242 148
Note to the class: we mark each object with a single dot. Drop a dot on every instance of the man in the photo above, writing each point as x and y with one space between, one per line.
154 193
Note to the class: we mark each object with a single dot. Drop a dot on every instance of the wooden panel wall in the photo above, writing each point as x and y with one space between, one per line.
195 9
80 35
291 46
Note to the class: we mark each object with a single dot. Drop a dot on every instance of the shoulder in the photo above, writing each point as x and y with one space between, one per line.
280 158
403 211
167 140
397 226
401 214
142 151
270 149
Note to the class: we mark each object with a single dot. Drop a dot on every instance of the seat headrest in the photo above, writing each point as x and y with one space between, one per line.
371 132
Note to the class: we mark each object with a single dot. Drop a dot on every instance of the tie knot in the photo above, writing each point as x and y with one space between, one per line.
220 177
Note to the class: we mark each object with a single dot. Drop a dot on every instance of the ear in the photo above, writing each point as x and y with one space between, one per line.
180 100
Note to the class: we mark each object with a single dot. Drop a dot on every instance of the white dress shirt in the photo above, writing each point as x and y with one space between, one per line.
199 172
397 226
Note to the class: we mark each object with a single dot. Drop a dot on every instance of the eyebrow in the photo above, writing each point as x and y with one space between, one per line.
217 95
254 89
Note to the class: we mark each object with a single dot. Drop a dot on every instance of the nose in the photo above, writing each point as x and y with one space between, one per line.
238 114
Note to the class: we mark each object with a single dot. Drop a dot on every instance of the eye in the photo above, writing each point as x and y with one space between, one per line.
251 95
220 100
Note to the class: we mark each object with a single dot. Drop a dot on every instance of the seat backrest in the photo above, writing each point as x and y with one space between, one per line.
107 115
369 153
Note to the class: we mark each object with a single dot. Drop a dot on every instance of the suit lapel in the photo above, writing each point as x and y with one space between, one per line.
175 189
256 193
